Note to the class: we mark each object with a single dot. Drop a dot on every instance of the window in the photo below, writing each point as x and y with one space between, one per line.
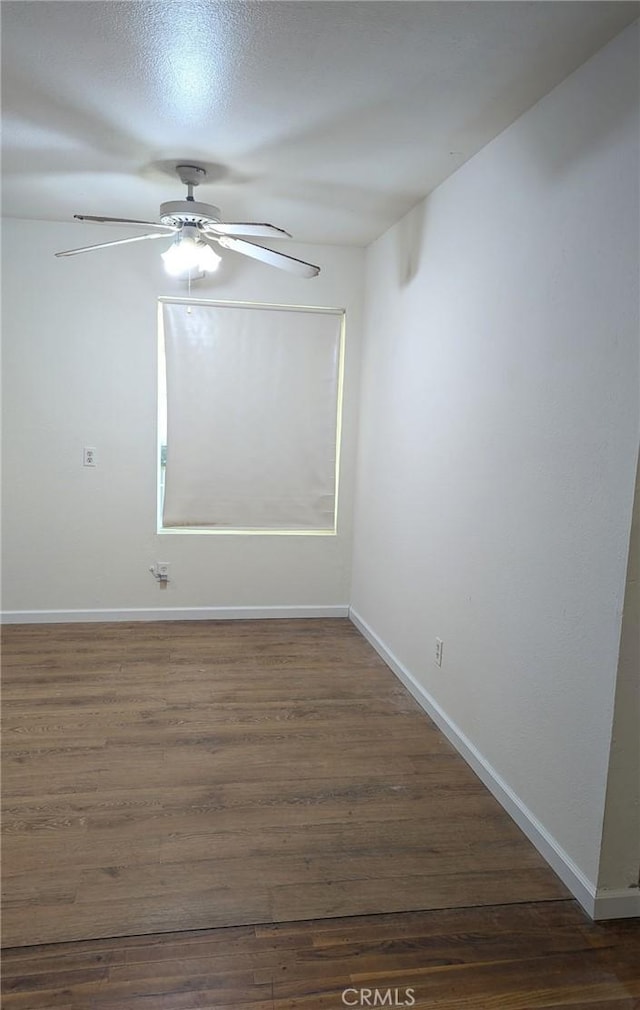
249 417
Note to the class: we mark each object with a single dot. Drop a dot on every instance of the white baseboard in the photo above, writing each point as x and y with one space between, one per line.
171 614
620 904
583 889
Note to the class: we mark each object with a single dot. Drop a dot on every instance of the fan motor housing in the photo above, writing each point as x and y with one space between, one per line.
180 212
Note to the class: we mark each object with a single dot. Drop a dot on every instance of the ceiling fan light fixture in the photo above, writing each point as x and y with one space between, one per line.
209 259
195 226
187 255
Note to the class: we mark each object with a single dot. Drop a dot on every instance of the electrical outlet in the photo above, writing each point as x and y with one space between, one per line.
89 456
160 571
438 653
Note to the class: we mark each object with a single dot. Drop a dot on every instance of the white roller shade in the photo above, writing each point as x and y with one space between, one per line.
252 416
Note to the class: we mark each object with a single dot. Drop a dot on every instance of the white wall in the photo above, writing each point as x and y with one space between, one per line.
499 437
79 357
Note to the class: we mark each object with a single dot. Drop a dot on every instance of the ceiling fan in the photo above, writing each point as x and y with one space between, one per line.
196 229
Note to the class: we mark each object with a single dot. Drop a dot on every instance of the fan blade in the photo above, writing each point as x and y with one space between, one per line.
103 245
274 259
125 220
242 228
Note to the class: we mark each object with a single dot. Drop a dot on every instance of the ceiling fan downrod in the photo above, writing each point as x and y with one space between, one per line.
191 176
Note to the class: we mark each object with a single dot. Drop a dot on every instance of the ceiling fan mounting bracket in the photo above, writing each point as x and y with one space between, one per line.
191 175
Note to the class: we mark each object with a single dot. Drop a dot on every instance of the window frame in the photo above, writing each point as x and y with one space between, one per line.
161 416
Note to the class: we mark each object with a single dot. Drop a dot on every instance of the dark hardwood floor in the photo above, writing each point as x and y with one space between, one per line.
206 788
511 957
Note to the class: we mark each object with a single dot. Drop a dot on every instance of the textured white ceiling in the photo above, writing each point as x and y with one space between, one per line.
329 119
